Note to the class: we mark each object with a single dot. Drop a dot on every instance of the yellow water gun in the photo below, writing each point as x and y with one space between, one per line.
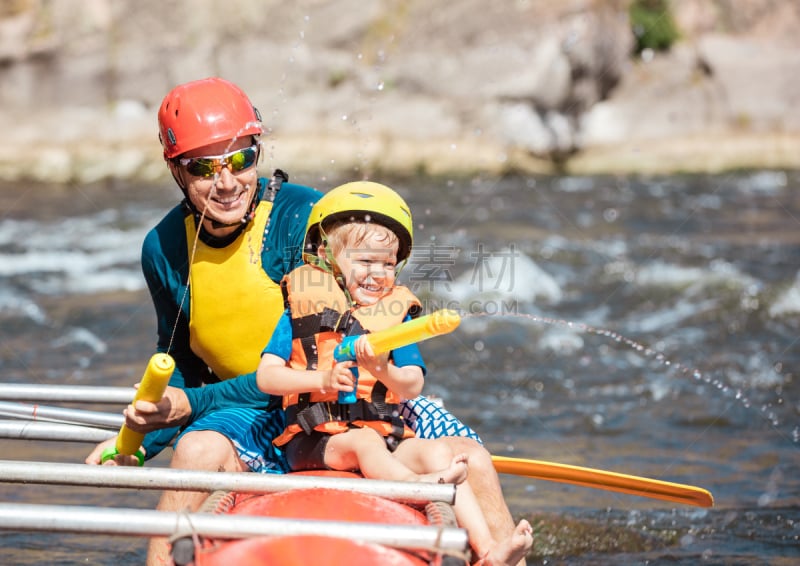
151 388
434 324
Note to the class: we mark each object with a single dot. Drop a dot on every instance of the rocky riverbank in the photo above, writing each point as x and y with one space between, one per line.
404 87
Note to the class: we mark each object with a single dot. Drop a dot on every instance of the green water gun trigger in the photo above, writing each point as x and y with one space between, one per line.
111 452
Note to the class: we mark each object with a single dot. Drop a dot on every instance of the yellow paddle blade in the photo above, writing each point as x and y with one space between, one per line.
601 479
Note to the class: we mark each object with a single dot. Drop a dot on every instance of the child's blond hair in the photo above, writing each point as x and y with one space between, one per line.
343 235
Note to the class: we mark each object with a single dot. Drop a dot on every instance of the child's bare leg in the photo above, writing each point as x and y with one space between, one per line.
512 550
456 472
364 449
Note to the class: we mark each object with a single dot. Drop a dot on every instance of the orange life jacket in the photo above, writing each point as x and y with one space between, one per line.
321 315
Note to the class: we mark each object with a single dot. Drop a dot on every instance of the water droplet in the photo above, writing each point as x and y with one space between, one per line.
380 85
610 215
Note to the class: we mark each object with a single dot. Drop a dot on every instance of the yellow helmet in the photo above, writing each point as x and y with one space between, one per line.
361 200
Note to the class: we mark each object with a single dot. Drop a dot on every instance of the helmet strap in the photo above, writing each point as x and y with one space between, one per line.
328 264
399 267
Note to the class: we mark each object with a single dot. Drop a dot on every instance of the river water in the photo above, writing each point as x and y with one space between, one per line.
643 326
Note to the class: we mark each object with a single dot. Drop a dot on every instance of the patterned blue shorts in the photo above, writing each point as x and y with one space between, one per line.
252 430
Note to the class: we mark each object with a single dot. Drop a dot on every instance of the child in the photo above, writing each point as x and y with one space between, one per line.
358 236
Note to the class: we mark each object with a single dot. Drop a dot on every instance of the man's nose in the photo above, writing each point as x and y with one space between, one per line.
225 178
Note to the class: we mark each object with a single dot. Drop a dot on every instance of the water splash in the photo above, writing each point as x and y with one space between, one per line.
767 410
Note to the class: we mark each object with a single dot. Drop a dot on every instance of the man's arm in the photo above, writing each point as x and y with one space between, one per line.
180 407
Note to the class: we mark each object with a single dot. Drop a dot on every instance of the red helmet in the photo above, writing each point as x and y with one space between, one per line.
203 112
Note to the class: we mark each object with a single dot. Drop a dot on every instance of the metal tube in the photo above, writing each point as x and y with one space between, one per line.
61 415
138 522
25 430
65 393
12 471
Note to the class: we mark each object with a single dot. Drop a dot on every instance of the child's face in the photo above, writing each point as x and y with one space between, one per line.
368 267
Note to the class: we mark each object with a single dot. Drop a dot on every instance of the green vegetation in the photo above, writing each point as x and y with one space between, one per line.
652 25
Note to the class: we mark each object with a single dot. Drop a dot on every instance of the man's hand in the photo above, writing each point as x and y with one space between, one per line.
93 459
172 410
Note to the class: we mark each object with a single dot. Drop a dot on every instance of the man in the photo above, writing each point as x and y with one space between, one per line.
212 266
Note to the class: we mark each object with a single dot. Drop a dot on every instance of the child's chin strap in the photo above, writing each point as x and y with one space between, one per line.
328 264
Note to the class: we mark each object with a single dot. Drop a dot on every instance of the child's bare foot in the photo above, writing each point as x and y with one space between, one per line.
513 549
456 472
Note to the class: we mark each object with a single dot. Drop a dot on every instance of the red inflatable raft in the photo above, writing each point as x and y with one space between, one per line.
357 512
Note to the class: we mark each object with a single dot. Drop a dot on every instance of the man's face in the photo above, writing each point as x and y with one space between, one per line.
220 180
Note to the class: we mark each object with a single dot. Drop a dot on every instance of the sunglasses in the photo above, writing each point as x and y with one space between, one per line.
209 166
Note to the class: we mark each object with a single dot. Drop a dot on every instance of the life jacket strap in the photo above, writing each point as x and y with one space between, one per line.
319 413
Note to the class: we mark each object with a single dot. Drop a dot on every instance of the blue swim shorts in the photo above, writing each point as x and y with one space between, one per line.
252 430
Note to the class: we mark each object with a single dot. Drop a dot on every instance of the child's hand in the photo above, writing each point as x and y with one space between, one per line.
340 378
375 364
